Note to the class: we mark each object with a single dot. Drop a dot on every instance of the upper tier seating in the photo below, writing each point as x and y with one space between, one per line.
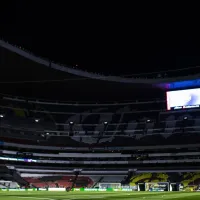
141 123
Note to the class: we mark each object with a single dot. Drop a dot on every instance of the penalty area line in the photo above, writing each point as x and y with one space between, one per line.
35 198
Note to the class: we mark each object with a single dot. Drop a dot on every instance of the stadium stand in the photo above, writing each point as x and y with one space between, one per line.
191 180
89 138
57 144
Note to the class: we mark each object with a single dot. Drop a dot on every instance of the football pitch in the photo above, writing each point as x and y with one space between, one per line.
99 195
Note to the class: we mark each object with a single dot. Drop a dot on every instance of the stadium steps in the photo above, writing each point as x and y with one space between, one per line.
75 179
101 178
128 178
17 177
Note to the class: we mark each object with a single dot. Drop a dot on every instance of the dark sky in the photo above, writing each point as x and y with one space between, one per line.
109 38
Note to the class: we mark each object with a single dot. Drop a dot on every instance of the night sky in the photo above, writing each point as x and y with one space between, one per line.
113 39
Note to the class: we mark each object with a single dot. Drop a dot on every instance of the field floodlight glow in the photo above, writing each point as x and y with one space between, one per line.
71 123
1 116
37 120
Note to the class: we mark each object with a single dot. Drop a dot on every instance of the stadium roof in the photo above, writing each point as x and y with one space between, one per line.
25 74
22 76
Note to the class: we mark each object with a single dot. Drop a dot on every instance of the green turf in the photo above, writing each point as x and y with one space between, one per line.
99 195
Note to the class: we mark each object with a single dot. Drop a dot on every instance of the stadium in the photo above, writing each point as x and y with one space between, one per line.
53 146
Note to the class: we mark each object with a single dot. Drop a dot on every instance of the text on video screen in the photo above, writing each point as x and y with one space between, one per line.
183 99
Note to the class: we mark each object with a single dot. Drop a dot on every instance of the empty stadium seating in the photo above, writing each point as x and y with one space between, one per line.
190 180
61 182
155 145
98 128
88 128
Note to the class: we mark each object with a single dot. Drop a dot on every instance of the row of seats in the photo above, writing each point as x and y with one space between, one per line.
84 159
186 179
37 182
91 125
90 118
110 141
87 108
110 129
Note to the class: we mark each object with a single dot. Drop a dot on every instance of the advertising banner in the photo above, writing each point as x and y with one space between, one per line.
76 189
3 190
127 189
57 189
42 189
157 187
30 190
15 190
91 189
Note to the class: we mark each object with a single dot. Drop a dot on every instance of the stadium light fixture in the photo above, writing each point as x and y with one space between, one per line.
1 116
71 123
148 120
37 120
105 123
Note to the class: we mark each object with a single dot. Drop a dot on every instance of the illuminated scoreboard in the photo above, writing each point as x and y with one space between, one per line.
183 99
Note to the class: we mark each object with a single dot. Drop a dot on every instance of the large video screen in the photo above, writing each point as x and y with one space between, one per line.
183 99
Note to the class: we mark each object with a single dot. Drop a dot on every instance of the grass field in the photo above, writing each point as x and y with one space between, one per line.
99 195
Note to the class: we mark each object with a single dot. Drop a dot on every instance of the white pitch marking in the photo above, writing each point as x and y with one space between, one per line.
34 198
